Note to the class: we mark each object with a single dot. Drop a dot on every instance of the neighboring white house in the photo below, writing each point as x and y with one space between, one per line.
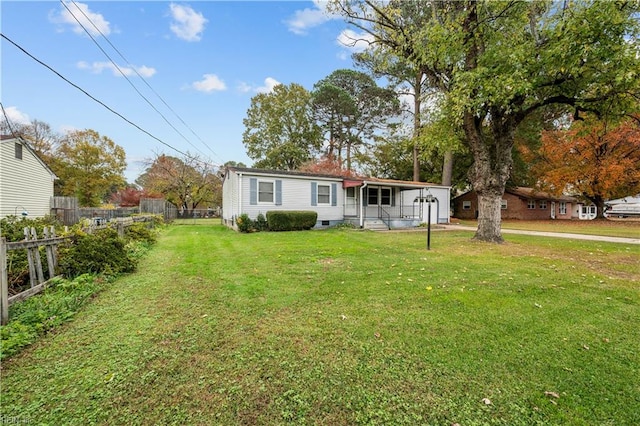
623 207
364 202
26 182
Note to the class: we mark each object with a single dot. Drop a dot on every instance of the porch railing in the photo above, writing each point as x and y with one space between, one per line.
384 216
410 211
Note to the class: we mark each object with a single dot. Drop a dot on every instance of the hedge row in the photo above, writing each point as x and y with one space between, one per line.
277 220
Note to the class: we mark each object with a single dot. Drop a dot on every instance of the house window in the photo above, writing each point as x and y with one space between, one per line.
324 194
531 204
503 204
466 205
18 151
385 196
563 207
543 204
372 196
265 192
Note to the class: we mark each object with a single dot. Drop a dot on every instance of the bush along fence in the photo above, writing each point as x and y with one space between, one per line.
49 242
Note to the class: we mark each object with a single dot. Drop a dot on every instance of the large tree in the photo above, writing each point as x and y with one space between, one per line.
594 158
351 108
187 182
497 62
280 132
90 166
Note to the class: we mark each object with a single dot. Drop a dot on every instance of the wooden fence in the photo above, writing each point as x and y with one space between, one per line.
36 275
50 242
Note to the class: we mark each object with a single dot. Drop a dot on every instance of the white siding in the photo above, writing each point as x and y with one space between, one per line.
443 204
24 184
296 195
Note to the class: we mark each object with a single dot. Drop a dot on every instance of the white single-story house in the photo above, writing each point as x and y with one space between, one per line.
26 182
363 202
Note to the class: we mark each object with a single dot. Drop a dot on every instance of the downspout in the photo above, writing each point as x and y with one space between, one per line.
239 197
362 204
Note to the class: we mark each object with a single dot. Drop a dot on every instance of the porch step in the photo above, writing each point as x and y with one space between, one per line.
375 225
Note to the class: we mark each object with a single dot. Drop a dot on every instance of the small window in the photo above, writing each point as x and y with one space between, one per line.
351 192
531 204
324 194
503 204
543 204
385 196
265 192
18 151
563 207
466 205
372 196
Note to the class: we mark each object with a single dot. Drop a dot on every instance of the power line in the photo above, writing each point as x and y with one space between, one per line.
6 119
122 72
139 75
91 96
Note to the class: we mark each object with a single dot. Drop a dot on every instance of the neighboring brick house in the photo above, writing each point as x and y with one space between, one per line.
519 203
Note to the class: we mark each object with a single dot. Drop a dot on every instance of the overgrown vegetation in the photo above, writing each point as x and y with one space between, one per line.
345 328
57 304
88 261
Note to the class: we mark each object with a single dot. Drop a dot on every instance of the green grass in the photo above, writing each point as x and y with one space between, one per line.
346 327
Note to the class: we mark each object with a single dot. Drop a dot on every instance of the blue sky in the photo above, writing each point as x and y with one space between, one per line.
206 59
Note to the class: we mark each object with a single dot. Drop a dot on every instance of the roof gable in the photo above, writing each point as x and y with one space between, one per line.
4 139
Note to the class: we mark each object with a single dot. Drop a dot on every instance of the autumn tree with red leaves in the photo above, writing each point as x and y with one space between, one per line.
593 158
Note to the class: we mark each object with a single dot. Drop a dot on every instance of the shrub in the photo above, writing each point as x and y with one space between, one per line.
261 222
279 220
244 222
101 253
140 231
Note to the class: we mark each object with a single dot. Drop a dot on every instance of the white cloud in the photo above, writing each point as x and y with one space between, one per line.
209 83
267 87
79 13
269 84
187 24
98 67
307 18
355 42
244 87
16 116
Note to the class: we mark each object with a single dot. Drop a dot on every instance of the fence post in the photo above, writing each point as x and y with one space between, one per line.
31 260
4 283
38 259
51 251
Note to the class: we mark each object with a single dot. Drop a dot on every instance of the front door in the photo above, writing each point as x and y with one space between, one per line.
553 210
351 201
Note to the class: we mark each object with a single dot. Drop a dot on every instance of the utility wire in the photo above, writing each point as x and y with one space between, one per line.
123 74
6 119
91 96
141 77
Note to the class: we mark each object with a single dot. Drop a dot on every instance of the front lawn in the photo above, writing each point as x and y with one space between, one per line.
346 327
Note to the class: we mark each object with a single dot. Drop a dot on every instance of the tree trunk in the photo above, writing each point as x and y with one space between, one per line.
489 220
447 168
491 148
417 102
